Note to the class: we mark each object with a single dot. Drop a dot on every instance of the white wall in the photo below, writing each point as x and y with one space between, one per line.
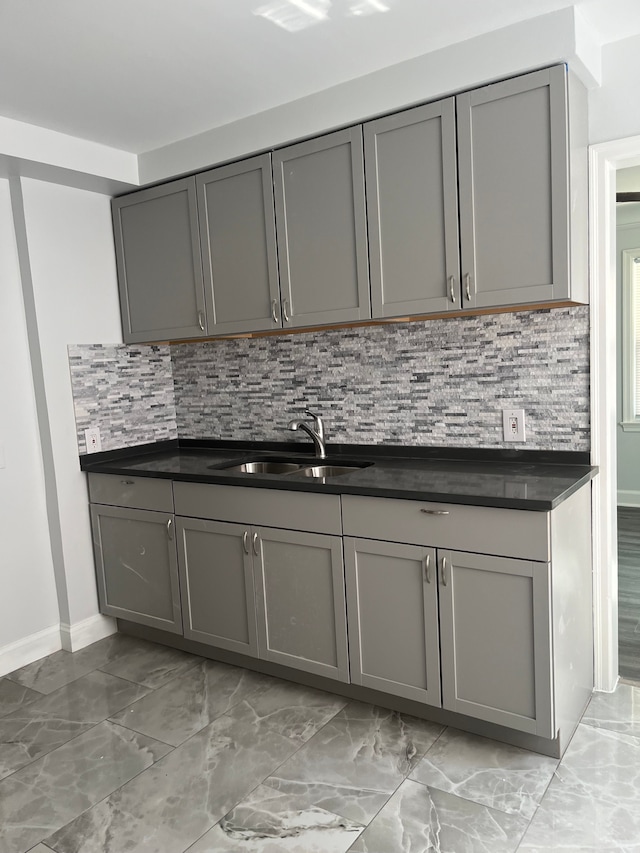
628 443
613 108
28 605
70 246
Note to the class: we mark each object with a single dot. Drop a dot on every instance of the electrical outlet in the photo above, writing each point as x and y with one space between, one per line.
93 440
513 425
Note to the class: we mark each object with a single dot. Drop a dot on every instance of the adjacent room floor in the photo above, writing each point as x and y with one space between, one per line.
129 746
629 592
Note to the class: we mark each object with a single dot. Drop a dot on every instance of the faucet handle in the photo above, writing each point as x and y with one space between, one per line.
317 422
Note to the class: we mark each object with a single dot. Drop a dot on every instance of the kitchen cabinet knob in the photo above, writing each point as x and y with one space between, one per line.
444 571
427 568
467 286
256 549
434 511
170 528
245 541
452 288
274 310
201 320
285 310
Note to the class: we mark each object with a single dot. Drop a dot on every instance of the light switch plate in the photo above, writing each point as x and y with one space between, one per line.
513 425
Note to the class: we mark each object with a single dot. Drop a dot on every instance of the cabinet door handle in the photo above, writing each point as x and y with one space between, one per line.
170 528
285 312
467 286
128 482
444 571
452 288
256 549
274 310
245 541
427 568
434 511
201 320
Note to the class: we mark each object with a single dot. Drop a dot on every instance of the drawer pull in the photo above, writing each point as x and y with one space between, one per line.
452 289
444 571
170 528
256 549
427 568
435 511
245 541
128 482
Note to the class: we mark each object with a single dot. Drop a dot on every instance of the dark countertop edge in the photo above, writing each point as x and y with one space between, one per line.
294 485
372 451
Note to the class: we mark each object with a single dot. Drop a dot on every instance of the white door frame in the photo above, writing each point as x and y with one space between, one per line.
604 160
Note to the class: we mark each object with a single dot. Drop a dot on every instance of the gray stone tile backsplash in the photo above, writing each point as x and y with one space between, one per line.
430 383
127 391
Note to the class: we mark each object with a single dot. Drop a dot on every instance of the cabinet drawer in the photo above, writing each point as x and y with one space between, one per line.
268 507
484 530
137 492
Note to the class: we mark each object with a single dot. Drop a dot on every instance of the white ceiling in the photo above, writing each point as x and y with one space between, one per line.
139 74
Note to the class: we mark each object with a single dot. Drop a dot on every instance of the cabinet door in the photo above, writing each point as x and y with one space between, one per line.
514 190
495 640
392 607
158 260
300 601
322 231
136 566
216 579
412 211
238 239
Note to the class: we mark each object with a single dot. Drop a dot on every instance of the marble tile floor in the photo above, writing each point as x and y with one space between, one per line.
127 746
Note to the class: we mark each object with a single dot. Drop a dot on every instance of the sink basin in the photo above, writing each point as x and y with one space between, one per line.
329 470
268 467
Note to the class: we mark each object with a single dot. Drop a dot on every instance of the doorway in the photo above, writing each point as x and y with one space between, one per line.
605 161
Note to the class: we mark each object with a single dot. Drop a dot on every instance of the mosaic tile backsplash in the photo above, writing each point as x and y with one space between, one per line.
127 391
431 383
437 382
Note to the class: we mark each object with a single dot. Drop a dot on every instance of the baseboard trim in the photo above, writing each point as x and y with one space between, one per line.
628 498
29 649
81 634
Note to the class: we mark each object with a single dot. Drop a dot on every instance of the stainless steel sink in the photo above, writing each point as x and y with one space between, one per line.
270 467
322 471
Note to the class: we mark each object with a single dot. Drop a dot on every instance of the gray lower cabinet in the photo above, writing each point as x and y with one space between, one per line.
495 636
301 601
412 211
238 240
322 230
216 581
158 262
137 566
393 618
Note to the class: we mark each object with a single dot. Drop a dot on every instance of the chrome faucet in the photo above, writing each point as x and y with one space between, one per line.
316 433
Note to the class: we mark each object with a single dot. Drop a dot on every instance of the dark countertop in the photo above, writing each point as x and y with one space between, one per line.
527 480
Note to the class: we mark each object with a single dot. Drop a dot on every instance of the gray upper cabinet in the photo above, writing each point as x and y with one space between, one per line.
136 566
216 581
158 261
393 618
322 232
513 160
495 636
412 211
301 601
238 239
